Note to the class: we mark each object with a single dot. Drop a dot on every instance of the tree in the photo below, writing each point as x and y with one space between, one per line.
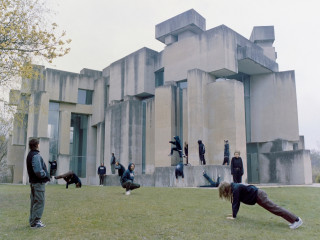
25 37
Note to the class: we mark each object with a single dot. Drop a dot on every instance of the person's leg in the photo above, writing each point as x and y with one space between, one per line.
38 202
134 186
127 185
100 179
65 175
113 169
31 217
209 179
266 203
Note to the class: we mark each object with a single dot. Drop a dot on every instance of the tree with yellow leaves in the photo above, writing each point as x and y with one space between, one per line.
26 37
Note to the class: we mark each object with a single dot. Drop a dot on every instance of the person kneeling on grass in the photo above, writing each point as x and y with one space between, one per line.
127 179
249 194
70 178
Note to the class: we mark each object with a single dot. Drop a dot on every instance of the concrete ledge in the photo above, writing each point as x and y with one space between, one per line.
165 176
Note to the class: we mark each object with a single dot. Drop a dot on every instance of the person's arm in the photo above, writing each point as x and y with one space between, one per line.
241 166
235 202
37 167
203 150
231 166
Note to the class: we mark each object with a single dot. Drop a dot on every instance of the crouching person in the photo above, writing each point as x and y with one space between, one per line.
70 178
127 179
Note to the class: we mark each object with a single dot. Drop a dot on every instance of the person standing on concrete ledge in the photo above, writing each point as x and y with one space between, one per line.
250 195
237 167
177 147
211 181
112 163
53 168
202 151
70 178
127 179
38 176
179 171
101 173
186 152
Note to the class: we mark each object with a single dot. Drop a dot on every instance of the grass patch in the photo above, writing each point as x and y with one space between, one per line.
154 213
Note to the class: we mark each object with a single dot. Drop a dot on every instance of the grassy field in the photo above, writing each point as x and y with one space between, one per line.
154 213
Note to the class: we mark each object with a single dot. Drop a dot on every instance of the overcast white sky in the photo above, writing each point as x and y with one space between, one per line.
103 31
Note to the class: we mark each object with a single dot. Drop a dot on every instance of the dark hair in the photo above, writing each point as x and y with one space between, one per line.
33 144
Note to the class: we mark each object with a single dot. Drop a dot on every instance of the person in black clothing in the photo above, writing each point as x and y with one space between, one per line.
179 171
177 147
226 153
120 169
127 179
202 151
101 173
237 167
53 168
186 152
70 178
211 181
38 176
250 195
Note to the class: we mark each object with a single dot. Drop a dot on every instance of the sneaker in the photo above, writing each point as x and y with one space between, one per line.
296 224
203 172
38 224
128 192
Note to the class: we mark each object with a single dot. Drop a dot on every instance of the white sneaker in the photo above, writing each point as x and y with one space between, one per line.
296 224
128 192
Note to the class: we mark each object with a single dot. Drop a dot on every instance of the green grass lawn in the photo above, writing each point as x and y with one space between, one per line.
154 213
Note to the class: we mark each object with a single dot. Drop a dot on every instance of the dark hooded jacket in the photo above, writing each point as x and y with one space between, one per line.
128 175
202 149
177 143
179 170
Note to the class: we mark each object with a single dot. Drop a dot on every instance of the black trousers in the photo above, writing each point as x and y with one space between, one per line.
237 178
130 185
101 177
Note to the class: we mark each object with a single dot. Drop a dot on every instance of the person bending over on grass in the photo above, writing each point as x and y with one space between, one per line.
70 178
127 179
250 195
211 181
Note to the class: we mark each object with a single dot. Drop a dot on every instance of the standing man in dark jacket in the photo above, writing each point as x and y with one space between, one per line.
202 151
237 167
127 179
101 173
38 176
112 163
177 147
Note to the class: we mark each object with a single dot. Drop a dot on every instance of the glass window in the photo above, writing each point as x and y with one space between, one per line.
85 96
53 130
159 79
78 144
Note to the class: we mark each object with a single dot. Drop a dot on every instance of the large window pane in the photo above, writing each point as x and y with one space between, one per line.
53 130
78 144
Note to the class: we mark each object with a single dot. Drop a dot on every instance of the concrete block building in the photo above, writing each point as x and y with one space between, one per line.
205 84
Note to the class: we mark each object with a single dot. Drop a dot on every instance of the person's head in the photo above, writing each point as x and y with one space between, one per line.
225 191
34 144
199 141
117 163
102 164
237 154
131 166
185 144
226 141
112 154
78 185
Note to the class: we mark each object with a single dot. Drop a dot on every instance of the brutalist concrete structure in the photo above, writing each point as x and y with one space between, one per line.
206 84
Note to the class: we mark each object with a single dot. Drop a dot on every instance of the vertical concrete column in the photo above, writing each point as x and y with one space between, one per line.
226 120
149 136
165 128
93 151
197 112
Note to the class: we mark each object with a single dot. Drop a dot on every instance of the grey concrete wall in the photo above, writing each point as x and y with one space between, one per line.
274 107
92 152
165 127
288 167
98 101
150 136
15 157
198 113
123 133
165 177
133 75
